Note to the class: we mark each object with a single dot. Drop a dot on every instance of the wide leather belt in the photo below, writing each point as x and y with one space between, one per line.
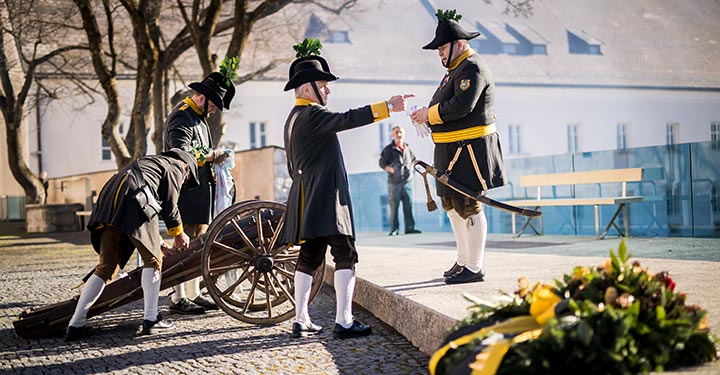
464 134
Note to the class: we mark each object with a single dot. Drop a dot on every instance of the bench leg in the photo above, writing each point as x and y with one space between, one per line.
597 221
612 222
529 224
513 223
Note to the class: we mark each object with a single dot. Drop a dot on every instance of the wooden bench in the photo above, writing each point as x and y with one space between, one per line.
83 216
622 176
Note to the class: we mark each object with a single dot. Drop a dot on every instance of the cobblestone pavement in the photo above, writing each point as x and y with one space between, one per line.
36 270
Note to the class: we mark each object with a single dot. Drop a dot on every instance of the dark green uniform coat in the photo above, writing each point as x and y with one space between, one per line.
319 199
183 126
465 99
116 206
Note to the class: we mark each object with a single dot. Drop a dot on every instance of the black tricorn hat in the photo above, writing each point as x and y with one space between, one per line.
308 69
449 31
216 88
187 158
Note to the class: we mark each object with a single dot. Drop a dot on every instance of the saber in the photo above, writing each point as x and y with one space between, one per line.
480 197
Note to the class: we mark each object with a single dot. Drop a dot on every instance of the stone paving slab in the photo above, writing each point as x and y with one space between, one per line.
37 270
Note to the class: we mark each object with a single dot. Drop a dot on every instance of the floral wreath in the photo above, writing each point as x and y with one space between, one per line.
618 318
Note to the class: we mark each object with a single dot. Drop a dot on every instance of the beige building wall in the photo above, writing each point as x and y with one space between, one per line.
259 174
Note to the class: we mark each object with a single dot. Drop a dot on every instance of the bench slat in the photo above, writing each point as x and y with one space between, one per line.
573 201
590 177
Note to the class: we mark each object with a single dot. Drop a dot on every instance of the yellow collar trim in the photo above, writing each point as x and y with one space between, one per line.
461 58
192 105
304 102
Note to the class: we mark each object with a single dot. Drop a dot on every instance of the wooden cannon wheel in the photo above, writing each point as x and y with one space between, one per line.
247 272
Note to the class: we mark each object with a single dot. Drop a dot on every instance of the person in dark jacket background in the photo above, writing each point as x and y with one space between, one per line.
397 160
187 128
319 212
461 116
125 218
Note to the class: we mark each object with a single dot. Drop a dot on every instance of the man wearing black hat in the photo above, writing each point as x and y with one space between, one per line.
461 117
319 212
126 218
187 128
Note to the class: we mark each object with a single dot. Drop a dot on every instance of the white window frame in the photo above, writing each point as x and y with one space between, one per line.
573 138
671 133
515 139
258 133
621 135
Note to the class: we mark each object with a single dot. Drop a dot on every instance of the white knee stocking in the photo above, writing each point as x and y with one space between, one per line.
192 288
459 227
344 290
179 292
303 284
150 282
91 292
476 237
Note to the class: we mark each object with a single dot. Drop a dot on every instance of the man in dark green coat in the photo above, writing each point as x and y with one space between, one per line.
461 116
187 128
126 218
319 212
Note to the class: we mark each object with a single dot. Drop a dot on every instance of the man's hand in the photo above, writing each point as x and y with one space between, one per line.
390 169
399 102
217 156
181 241
420 116
166 249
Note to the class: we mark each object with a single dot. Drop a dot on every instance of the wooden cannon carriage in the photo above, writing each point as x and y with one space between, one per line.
246 272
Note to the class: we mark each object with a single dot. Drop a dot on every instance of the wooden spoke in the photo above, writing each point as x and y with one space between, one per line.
244 237
267 295
276 234
285 272
217 271
251 295
232 250
260 237
231 288
284 290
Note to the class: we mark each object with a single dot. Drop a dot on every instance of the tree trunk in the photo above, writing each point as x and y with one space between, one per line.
11 75
110 131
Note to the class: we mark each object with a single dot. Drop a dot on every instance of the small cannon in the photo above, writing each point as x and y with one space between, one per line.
246 271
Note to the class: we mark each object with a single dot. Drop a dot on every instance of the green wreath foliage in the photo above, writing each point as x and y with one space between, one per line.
617 318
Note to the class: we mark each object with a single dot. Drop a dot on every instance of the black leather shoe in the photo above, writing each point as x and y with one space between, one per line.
185 306
205 303
356 330
150 327
453 270
412 231
393 233
76 333
305 330
465 276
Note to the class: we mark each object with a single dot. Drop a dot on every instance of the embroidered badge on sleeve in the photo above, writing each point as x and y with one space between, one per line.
464 84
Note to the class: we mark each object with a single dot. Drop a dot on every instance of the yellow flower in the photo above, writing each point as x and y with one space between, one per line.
543 304
580 272
523 286
607 267
703 325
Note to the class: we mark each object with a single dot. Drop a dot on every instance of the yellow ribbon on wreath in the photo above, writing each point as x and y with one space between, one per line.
524 328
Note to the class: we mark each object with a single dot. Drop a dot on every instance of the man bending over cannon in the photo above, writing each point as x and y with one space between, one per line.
319 212
126 218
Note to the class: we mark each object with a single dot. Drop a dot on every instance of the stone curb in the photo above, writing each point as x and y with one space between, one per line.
422 326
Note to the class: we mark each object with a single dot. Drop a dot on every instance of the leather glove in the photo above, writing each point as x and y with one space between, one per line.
220 156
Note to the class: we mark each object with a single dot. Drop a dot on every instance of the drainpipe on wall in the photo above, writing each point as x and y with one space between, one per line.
39 132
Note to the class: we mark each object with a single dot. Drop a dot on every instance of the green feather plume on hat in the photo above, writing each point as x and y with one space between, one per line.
447 15
228 69
308 47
